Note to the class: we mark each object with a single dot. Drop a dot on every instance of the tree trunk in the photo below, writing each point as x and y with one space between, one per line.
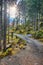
4 42
38 21
0 24
35 23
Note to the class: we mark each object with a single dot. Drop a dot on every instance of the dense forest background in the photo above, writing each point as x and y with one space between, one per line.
20 17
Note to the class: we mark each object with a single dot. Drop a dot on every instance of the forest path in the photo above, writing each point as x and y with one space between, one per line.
35 43
31 55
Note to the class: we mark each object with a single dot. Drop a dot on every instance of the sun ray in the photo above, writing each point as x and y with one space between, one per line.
13 11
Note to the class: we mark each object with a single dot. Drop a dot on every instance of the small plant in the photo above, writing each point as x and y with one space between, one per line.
6 53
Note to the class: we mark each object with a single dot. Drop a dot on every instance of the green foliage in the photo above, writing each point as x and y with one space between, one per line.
41 24
6 53
32 32
24 28
38 34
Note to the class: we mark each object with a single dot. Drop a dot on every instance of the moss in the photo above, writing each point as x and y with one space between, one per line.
6 53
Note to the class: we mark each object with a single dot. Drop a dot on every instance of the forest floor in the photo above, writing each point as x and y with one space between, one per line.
31 55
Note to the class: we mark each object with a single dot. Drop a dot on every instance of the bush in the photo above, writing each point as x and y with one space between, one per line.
38 34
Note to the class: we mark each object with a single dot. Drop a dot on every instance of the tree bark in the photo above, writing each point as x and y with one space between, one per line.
38 21
4 42
0 24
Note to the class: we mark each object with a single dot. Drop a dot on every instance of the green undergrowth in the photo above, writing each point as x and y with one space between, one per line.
17 45
6 53
37 35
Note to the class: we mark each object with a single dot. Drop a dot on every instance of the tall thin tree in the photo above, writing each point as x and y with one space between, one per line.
0 23
5 20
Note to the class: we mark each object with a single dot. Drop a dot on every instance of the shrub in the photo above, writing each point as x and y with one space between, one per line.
38 34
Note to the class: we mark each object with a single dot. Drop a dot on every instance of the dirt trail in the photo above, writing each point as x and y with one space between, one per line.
31 55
